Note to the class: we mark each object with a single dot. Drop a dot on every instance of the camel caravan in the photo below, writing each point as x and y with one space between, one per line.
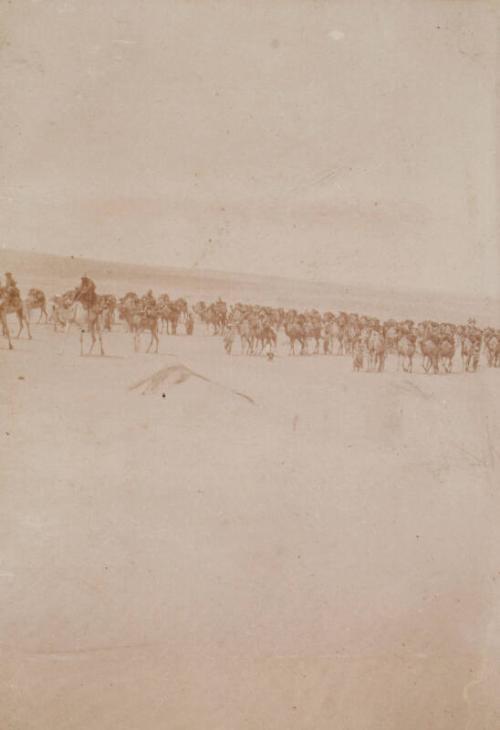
367 340
255 330
98 313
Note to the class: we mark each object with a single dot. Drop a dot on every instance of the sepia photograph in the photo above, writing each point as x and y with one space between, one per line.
250 365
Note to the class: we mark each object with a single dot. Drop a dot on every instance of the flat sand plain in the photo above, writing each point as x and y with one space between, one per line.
255 545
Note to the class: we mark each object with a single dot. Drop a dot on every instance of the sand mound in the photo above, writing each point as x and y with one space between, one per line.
171 375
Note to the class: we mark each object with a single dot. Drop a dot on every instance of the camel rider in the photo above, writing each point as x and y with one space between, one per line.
85 293
148 302
11 291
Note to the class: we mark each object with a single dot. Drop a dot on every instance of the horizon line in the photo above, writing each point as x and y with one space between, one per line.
194 270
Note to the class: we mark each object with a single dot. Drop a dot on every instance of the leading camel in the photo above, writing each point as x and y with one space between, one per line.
15 305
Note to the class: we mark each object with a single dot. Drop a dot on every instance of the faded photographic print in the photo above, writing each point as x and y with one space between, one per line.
250 365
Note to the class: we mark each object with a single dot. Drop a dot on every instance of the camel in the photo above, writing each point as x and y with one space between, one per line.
430 354
312 330
15 306
391 338
332 338
267 338
182 307
85 317
169 317
36 300
128 304
256 330
492 345
215 318
351 331
172 312
141 321
406 351
199 309
358 351
295 333
446 354
108 302
376 351
246 337
470 350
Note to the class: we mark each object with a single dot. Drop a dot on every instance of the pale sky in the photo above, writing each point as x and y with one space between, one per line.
353 141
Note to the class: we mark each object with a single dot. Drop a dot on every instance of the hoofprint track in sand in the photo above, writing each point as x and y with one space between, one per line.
245 544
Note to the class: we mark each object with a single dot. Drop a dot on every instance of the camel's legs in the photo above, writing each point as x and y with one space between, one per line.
6 330
20 321
93 340
99 337
95 332
150 343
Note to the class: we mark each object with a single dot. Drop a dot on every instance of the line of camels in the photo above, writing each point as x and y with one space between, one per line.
367 340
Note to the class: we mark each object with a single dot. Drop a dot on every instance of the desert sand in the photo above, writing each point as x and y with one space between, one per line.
253 545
